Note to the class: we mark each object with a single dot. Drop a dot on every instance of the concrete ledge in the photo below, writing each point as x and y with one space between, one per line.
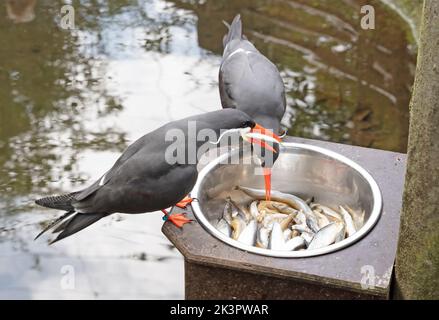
212 266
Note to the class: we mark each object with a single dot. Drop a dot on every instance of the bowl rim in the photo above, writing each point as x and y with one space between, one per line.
365 229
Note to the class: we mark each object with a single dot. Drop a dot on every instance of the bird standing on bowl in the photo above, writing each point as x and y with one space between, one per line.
249 82
142 179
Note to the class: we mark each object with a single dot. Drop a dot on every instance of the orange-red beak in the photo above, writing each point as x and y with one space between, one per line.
263 131
267 180
263 144
267 171
260 129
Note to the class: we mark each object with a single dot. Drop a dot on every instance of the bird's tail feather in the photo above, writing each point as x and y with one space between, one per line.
55 222
62 202
76 223
235 30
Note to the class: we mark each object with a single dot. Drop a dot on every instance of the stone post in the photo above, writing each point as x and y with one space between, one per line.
417 261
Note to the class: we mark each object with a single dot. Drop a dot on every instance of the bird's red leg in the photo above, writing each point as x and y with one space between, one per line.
177 219
185 202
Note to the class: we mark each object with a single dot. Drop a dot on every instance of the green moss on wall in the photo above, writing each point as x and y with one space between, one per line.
411 11
417 261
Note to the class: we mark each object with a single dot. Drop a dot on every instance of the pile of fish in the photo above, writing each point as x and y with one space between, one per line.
286 222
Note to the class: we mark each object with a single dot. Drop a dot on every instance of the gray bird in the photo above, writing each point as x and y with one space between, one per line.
249 82
142 180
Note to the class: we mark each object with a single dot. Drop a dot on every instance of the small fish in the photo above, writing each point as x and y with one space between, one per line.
287 221
307 237
302 228
277 239
262 237
349 223
241 211
224 227
287 234
341 235
295 233
262 204
295 243
237 212
328 211
358 217
227 212
238 224
269 219
289 199
300 218
271 211
326 236
254 210
248 235
311 221
284 208
273 205
322 219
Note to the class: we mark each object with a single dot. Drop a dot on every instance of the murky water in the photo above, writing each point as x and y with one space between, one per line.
70 101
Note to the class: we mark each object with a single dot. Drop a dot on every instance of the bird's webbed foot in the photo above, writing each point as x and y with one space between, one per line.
178 219
185 202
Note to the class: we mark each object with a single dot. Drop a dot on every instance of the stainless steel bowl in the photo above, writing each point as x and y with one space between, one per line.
303 170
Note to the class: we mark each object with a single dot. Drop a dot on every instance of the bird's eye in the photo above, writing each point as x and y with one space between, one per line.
247 124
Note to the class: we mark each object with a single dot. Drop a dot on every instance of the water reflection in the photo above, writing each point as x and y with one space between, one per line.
345 84
21 11
70 101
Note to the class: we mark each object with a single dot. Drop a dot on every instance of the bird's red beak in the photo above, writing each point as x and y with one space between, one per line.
263 144
267 180
267 171
260 129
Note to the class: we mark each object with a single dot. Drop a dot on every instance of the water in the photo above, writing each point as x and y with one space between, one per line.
71 101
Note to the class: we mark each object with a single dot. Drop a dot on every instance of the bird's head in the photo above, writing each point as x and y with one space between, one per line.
236 121
232 121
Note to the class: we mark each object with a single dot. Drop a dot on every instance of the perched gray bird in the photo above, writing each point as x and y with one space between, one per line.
142 180
249 82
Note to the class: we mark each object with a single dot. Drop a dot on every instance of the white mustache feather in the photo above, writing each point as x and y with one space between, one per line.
246 134
242 132
260 136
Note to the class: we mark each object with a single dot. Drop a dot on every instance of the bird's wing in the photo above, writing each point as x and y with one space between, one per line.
143 183
232 70
129 152
249 79
225 91
264 72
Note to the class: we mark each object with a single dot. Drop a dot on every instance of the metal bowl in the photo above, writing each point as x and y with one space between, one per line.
301 169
